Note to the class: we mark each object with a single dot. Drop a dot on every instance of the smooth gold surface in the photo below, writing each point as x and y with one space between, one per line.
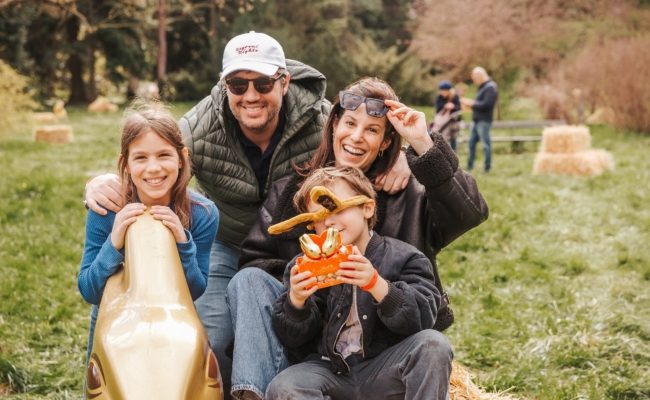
323 256
149 342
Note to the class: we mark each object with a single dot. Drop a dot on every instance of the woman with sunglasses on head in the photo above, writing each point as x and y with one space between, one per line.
365 129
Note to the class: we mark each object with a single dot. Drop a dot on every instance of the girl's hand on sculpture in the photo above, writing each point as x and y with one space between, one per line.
303 285
123 219
171 221
410 124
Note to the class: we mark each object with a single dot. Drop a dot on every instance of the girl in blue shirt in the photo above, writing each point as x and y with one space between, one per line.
155 170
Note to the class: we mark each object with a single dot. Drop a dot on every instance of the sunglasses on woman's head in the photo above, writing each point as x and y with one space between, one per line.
351 101
263 84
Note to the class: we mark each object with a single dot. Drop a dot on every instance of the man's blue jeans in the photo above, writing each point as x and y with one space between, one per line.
258 355
480 131
213 309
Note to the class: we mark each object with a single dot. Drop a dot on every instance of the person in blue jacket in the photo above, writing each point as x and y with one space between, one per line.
155 171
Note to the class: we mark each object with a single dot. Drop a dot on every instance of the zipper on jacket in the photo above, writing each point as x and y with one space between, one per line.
336 339
363 351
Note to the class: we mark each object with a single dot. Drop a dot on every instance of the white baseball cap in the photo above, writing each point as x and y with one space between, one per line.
253 51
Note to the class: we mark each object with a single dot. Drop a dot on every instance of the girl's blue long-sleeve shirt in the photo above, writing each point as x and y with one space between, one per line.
101 260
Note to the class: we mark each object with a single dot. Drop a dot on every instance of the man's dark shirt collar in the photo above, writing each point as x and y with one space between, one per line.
261 162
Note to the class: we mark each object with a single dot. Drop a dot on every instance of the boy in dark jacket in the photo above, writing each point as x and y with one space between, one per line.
376 324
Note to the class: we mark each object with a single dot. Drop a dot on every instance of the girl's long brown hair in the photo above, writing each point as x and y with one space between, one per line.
139 120
324 154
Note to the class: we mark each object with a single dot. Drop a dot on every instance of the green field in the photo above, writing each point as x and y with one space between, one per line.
551 294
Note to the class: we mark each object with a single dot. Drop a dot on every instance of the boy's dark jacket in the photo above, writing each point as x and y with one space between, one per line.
408 308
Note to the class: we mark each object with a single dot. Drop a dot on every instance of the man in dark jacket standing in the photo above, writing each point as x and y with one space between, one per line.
482 111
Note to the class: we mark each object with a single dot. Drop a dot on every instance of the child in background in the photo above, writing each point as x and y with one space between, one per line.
377 324
155 170
448 113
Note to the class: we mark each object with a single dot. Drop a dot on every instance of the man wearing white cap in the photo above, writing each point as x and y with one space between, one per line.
265 113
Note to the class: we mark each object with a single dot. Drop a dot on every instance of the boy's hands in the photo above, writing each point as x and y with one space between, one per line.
359 271
303 285
123 219
171 221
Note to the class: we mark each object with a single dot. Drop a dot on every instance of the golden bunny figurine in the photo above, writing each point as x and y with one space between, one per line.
323 254
149 342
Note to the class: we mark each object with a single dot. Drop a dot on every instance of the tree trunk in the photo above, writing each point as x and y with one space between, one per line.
90 59
75 65
212 36
162 49
91 44
77 84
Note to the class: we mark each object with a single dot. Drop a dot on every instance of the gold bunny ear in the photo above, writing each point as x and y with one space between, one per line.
331 205
311 249
323 196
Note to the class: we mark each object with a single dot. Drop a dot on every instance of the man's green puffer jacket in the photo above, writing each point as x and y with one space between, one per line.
218 160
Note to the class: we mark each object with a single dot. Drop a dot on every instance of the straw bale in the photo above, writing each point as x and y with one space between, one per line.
603 115
59 109
4 390
461 387
53 133
102 104
584 163
566 139
44 118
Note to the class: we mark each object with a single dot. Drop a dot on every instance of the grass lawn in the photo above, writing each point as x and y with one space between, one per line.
551 294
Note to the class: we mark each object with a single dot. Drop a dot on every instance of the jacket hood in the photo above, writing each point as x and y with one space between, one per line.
307 77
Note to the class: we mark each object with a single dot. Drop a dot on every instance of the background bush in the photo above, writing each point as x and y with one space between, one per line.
15 99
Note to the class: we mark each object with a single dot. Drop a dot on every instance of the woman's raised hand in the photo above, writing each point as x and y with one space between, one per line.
127 215
410 124
171 221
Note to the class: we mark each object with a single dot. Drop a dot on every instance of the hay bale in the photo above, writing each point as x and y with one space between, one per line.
102 104
603 115
566 139
583 163
461 387
53 134
44 118
41 118
59 109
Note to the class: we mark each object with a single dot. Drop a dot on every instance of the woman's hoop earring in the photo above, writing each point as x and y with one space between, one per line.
381 153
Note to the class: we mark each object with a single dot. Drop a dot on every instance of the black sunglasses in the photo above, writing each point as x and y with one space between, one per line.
263 84
351 101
